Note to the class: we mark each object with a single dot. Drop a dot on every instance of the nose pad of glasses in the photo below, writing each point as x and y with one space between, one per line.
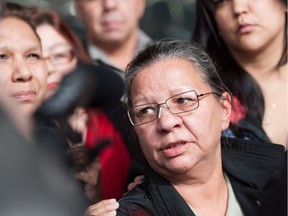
159 112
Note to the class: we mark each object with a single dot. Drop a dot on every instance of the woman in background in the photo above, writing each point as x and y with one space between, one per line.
248 41
62 50
26 183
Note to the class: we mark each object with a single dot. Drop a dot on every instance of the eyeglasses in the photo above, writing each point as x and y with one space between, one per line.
180 103
101 1
60 55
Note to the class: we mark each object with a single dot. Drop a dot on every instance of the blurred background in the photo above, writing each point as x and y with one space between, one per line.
163 18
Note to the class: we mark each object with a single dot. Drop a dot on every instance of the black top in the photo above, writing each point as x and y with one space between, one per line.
256 172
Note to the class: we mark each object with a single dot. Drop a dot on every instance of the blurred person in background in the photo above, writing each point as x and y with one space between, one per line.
62 50
24 72
27 188
112 28
250 50
61 47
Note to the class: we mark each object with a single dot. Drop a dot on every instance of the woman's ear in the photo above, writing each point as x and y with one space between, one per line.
226 105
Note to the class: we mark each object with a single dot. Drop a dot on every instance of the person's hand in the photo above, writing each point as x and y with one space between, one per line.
137 180
90 177
77 122
104 208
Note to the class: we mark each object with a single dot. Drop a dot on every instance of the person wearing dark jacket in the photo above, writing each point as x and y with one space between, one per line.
179 107
244 168
190 168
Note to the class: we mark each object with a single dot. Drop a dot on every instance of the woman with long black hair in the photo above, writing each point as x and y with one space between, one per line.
248 42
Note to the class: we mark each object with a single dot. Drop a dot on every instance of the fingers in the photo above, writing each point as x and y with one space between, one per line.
91 179
137 180
78 121
104 208
90 175
87 178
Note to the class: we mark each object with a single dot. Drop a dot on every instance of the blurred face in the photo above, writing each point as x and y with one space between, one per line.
59 55
110 21
247 25
23 72
178 143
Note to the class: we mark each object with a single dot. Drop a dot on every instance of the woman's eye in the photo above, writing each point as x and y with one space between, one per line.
33 57
145 111
3 57
183 100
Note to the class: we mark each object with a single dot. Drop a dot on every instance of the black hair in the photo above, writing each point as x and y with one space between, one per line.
240 82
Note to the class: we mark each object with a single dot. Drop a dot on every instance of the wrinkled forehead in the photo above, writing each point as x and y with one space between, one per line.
171 75
13 28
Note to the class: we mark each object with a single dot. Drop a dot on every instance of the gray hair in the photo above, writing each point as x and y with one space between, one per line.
174 49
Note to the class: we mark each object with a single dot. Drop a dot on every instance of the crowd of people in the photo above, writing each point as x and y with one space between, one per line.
200 128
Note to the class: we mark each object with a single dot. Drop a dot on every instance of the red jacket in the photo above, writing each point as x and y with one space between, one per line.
114 159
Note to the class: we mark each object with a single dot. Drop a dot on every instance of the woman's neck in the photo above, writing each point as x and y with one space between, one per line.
214 193
272 79
208 186
260 63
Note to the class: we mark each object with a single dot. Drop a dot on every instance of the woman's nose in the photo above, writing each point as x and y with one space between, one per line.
240 6
167 120
21 71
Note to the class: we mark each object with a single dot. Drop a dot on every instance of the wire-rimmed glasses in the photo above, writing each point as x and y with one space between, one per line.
60 55
176 104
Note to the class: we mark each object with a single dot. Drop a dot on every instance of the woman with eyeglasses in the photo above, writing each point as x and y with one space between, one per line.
61 47
62 50
178 107
248 42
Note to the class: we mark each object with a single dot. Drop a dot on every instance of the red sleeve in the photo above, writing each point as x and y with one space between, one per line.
115 160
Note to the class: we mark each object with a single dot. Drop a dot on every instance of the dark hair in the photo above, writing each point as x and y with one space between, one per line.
240 82
174 49
41 16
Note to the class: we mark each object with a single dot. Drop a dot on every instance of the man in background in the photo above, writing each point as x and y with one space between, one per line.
112 29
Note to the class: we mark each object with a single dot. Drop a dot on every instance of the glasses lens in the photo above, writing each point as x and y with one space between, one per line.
183 102
142 114
61 54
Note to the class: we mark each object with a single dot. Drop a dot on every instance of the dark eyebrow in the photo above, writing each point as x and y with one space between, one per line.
35 48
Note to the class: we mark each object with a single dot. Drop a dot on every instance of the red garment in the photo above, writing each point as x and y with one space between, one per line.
238 111
114 159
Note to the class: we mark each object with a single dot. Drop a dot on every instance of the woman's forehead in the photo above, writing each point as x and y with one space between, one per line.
167 79
14 29
168 72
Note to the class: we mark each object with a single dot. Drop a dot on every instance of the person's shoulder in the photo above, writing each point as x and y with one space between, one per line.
255 163
135 202
252 147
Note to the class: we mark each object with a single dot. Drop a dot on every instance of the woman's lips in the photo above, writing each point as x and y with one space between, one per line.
244 29
174 149
52 85
24 96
